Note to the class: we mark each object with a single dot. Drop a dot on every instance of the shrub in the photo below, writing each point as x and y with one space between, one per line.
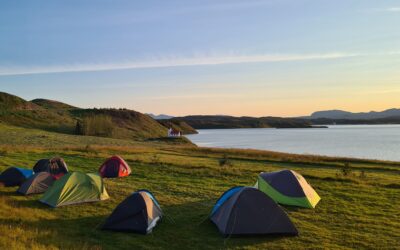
155 159
3 152
345 171
225 161
363 175
78 128
96 125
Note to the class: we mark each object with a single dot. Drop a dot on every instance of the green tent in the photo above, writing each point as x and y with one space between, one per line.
74 188
288 187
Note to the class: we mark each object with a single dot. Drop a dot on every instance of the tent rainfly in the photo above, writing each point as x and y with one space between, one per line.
37 183
75 188
14 176
139 213
114 167
288 187
248 211
56 166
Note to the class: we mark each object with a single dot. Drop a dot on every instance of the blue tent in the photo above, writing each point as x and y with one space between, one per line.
26 172
224 197
14 176
248 211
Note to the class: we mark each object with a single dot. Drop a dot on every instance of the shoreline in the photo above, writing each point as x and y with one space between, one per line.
367 142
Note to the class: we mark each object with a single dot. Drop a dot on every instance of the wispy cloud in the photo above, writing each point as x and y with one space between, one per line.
388 9
167 62
393 9
194 96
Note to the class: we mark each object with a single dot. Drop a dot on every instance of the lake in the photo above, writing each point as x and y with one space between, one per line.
359 141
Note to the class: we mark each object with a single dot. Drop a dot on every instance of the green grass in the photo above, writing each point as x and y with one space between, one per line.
354 212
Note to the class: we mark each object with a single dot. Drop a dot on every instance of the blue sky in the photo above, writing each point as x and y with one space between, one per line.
256 57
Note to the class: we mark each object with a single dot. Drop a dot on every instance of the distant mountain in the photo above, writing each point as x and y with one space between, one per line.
340 114
219 122
160 117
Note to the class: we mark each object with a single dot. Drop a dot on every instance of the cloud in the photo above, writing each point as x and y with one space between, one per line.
393 9
167 62
195 96
388 9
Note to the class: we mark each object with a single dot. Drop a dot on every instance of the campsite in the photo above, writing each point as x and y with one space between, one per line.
358 203
212 124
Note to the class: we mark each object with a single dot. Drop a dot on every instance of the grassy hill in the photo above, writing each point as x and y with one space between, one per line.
358 210
51 104
10 102
17 111
56 116
126 123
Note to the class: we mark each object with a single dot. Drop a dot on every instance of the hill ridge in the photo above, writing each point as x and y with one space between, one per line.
52 104
55 116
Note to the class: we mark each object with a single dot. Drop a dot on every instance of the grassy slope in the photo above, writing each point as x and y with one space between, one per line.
17 111
12 102
60 117
129 124
51 104
353 212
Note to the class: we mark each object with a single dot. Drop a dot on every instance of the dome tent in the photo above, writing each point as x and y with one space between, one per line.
75 188
14 176
114 166
288 187
56 166
248 211
37 183
138 213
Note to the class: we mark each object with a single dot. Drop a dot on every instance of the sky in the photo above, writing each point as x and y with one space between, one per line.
233 57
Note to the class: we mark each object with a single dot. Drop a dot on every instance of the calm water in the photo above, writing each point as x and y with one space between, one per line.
360 141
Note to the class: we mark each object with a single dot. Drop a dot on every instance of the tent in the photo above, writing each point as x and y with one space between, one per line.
55 166
138 213
14 176
248 211
36 184
288 187
114 167
74 188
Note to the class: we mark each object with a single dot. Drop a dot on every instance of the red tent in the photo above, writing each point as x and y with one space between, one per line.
114 167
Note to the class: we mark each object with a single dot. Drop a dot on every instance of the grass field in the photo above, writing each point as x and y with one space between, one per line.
356 211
